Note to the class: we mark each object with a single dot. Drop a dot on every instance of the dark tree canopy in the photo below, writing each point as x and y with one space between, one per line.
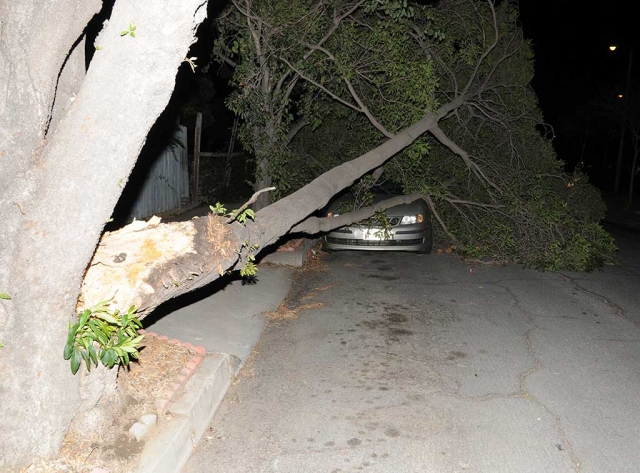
319 83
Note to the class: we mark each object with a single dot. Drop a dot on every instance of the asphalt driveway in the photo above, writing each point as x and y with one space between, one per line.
423 363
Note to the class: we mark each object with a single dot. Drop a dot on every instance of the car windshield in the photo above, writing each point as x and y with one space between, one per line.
388 188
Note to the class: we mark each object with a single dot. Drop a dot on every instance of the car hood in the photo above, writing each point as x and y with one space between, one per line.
417 206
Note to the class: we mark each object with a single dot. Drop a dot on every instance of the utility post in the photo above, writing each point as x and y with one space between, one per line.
623 125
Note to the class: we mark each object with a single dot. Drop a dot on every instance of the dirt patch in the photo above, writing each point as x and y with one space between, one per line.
315 261
110 446
290 307
284 312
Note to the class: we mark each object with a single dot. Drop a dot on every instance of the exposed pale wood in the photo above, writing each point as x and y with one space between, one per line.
125 259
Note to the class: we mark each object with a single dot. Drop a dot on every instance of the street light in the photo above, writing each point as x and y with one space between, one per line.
616 186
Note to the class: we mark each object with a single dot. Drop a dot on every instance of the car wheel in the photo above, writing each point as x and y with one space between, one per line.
428 242
325 247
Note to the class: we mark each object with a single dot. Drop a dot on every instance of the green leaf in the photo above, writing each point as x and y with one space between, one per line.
84 341
76 359
68 348
112 357
218 209
84 317
4 295
73 329
123 33
108 318
97 330
93 354
87 360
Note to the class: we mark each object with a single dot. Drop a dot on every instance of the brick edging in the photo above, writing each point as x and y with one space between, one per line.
171 393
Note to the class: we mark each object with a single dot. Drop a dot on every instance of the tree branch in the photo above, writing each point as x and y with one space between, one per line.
323 224
225 59
486 52
445 140
321 87
434 211
366 110
296 127
253 198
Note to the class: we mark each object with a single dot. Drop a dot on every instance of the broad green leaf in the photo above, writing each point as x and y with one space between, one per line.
112 358
87 360
76 359
68 348
108 318
93 354
4 295
84 317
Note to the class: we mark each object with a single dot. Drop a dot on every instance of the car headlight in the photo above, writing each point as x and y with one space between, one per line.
411 219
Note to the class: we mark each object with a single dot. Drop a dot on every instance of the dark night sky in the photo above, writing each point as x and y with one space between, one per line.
571 42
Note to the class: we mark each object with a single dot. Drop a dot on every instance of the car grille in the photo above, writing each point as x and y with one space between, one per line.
354 242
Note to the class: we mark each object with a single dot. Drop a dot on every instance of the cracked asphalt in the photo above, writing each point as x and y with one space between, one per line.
423 363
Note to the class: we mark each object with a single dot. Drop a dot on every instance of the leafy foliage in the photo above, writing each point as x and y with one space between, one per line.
237 215
130 31
100 334
359 73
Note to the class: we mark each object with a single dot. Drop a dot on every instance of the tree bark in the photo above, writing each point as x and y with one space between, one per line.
58 192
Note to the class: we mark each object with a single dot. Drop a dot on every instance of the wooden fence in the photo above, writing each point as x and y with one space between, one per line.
166 186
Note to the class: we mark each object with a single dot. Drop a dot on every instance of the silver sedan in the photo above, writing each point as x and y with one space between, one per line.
410 230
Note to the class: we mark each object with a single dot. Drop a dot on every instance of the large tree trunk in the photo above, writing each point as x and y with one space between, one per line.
263 153
59 189
263 180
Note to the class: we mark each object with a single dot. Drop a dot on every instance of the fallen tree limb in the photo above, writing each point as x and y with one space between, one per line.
323 224
147 263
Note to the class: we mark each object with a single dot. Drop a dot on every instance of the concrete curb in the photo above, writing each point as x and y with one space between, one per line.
188 407
176 387
292 255
185 421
